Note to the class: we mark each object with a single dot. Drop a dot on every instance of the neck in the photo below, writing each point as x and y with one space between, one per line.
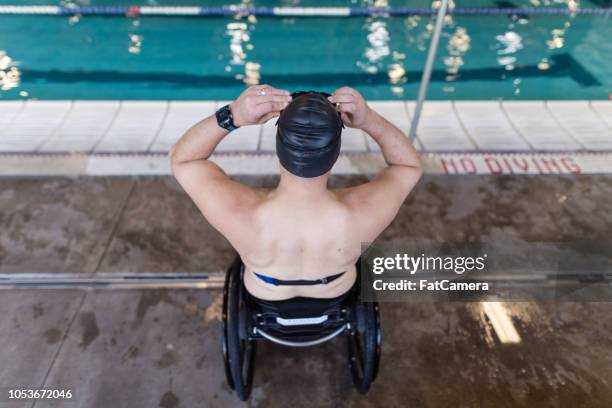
301 186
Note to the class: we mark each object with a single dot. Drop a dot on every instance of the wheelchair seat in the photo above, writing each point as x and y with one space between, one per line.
297 320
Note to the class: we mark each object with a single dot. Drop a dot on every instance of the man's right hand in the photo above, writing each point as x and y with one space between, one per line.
353 109
258 104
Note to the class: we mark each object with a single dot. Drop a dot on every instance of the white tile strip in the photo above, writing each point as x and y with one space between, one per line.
8 112
570 163
268 136
134 128
603 110
395 112
353 140
538 126
180 117
440 129
488 127
583 123
36 122
140 126
83 128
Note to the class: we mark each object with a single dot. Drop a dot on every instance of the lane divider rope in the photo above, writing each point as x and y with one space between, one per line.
181 11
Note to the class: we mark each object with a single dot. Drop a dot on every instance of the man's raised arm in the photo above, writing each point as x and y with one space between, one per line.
380 199
256 105
224 202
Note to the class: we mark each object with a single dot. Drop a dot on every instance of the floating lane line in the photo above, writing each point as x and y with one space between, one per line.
179 11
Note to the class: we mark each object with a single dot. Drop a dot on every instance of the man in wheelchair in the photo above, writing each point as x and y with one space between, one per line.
295 279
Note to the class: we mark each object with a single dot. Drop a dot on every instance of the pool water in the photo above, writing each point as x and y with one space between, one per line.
184 58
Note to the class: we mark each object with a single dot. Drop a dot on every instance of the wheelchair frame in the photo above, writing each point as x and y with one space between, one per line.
243 325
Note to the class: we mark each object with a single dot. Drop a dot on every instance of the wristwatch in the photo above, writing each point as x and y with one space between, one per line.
225 118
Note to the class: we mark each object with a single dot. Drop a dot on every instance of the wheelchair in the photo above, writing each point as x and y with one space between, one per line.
307 322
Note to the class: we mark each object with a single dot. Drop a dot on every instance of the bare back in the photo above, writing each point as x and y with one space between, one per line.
301 239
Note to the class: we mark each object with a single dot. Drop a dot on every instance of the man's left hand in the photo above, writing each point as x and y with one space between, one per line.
258 104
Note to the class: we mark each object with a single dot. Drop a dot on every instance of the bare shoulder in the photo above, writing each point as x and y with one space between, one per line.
227 204
374 204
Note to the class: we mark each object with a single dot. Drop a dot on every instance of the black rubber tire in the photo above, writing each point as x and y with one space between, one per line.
240 350
363 348
378 334
224 339
364 343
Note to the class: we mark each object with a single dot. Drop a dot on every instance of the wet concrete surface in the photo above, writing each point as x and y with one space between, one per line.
59 224
147 348
161 348
145 224
32 328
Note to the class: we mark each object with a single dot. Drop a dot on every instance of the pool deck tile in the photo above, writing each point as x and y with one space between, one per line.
36 122
9 111
181 116
440 128
395 112
583 123
154 126
135 127
536 124
488 126
84 126
603 110
353 140
243 139
268 136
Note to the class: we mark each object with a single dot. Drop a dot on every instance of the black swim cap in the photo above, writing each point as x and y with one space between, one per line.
308 135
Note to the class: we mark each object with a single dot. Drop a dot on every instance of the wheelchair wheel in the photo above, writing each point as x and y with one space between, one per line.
364 343
238 350
364 346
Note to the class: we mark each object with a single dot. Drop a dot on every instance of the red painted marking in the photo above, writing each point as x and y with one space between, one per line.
133 11
508 165
535 162
512 164
490 161
569 164
545 165
467 165
524 165
444 164
551 165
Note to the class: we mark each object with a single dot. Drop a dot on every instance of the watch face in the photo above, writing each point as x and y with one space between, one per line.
224 116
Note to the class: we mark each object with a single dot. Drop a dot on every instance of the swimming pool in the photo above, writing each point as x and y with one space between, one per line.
184 58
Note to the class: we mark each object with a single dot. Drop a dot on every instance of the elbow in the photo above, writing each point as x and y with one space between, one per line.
414 167
417 172
174 161
418 167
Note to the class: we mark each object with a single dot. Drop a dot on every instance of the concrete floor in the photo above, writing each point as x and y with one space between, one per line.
146 348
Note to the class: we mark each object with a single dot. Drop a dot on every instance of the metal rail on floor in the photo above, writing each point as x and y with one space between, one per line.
215 280
149 280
